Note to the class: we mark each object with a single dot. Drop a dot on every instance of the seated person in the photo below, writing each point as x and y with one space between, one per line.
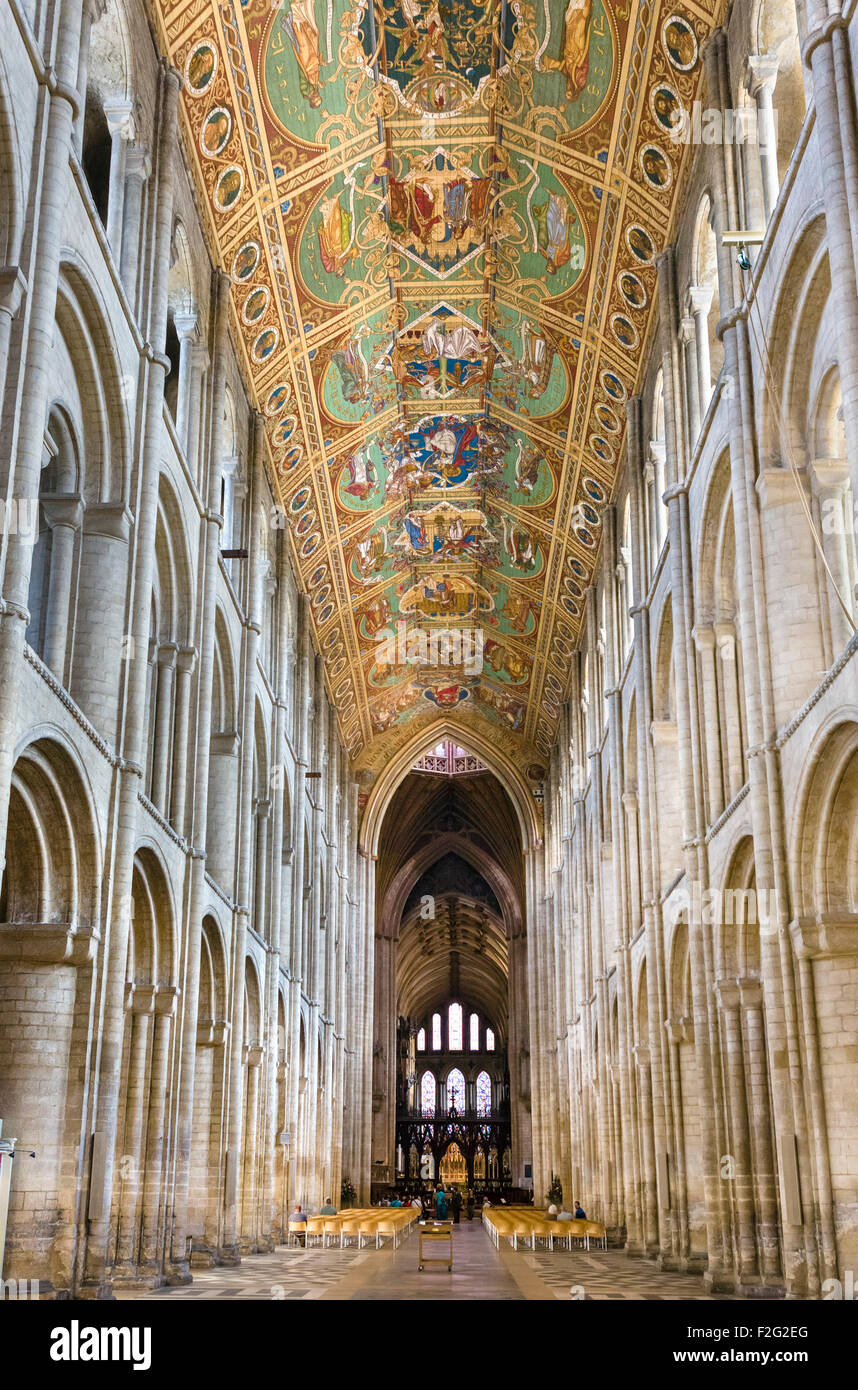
580 1214
299 1218
328 1209
564 1215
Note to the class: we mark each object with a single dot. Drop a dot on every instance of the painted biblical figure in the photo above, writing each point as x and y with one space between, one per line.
335 237
574 61
300 24
552 231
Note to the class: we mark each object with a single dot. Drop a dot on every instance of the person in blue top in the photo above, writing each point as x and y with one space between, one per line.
580 1214
394 1201
441 1204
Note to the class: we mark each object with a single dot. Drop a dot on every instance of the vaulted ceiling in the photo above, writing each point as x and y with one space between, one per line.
440 221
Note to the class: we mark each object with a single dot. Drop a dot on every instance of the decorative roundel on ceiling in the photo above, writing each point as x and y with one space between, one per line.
632 290
317 576
576 567
640 244
278 398
300 499
245 260
680 43
624 331
601 448
666 107
215 132
228 188
255 304
200 68
595 490
265 344
606 418
585 537
613 387
656 167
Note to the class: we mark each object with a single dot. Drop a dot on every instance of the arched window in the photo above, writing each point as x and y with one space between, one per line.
475 1032
455 1028
484 1095
436 1032
490 1040
428 1095
456 1091
421 1040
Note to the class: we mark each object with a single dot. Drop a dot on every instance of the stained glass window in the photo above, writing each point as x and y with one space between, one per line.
421 1040
436 1032
484 1095
428 1093
455 1026
475 1033
490 1040
456 1091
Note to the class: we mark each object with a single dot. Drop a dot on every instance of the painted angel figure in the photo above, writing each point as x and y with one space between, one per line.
300 24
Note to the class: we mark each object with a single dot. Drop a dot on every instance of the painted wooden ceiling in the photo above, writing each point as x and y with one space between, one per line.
440 222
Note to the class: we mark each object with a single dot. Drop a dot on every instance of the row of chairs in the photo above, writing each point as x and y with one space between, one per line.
360 1225
530 1225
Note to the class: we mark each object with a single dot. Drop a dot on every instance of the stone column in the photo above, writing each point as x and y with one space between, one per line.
688 338
718 1272
186 324
133 746
830 486
700 302
658 457
261 811
185 661
826 53
199 366
52 177
161 753
245 866
64 516
649 1193
120 123
91 12
12 287
212 523
766 792
138 166
152 1235
762 74
759 1106
704 638
727 994
141 1007
658 1066
725 636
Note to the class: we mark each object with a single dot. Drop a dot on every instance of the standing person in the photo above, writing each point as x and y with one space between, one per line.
441 1204
456 1204
469 1204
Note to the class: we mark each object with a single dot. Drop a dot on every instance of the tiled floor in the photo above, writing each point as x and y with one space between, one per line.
479 1272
